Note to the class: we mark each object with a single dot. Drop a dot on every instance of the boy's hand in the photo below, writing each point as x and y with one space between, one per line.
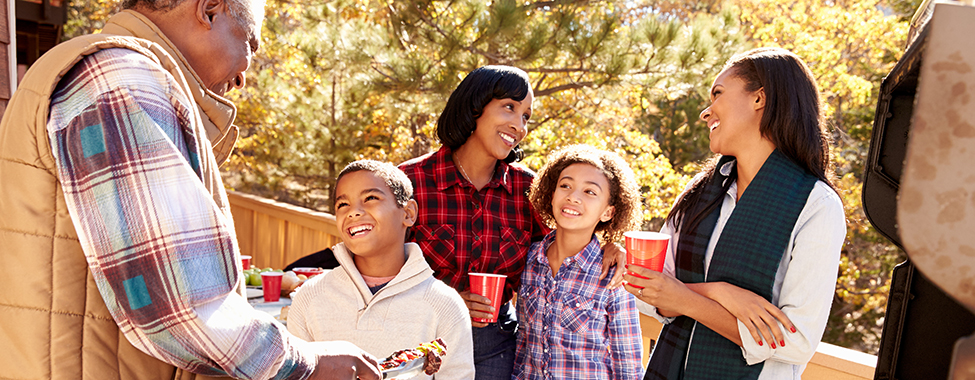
613 254
479 306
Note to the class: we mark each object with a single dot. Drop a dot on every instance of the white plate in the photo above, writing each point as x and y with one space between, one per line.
254 292
408 370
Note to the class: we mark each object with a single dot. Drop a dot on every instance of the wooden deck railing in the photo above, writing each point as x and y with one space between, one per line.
275 234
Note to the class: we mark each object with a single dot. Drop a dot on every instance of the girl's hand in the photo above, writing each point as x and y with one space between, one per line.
613 254
479 306
660 290
758 315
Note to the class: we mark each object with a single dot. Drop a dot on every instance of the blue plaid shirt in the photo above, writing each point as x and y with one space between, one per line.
572 326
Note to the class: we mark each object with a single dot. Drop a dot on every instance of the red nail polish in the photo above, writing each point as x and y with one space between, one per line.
793 329
773 344
760 343
782 343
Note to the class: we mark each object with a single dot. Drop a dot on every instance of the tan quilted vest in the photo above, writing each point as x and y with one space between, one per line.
53 322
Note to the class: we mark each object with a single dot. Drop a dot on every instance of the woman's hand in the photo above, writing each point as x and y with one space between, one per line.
717 305
479 306
613 254
757 314
664 292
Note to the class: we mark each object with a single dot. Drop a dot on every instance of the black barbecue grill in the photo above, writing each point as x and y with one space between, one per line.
922 323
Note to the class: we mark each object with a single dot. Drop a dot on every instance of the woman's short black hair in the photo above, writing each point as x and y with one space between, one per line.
458 120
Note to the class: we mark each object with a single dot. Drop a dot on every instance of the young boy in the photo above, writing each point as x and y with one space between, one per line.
383 297
572 326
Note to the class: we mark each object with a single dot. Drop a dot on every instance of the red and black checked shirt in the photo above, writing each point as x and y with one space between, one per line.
461 229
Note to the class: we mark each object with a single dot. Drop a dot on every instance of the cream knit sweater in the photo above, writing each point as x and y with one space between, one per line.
413 308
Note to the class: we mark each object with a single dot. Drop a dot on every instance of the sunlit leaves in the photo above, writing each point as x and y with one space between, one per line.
87 16
342 80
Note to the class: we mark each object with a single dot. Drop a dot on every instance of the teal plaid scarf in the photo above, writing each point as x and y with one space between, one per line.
747 255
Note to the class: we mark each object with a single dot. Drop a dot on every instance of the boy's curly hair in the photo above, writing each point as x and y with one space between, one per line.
624 193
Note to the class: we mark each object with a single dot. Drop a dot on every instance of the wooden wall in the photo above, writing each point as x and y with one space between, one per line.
276 234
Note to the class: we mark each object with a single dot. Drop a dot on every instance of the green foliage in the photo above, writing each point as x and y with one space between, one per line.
87 16
903 8
672 114
856 318
344 80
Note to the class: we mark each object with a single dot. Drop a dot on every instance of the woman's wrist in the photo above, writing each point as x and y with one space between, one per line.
710 290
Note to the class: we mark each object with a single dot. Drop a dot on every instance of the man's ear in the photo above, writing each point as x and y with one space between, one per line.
760 99
205 9
411 213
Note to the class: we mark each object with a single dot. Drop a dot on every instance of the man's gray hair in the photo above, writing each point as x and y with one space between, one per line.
246 12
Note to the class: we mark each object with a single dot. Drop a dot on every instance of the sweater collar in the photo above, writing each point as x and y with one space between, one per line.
414 271
218 112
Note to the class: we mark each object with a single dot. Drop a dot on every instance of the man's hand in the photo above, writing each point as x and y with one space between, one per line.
343 361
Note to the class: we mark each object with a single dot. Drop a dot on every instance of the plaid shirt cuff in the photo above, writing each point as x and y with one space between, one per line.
298 362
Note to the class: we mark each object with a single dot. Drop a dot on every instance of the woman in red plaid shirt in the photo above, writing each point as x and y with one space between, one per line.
474 213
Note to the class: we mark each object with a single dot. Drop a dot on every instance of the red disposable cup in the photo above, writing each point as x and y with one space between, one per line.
308 271
646 249
245 262
490 286
272 286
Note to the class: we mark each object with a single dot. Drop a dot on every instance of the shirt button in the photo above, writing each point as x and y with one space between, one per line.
578 304
477 237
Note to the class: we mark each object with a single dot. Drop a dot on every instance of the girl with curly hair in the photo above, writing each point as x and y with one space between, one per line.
573 326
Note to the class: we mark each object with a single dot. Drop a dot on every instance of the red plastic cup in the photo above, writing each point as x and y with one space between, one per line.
245 262
490 286
272 286
646 249
308 271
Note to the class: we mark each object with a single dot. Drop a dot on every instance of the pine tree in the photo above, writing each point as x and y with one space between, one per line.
344 80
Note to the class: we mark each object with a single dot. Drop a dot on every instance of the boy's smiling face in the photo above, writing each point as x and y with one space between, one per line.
369 220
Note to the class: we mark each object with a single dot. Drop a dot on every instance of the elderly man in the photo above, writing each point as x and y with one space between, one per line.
114 224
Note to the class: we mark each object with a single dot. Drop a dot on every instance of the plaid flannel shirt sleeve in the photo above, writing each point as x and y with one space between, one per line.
161 252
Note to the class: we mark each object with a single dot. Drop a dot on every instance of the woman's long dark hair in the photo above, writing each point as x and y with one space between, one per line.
792 120
458 120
